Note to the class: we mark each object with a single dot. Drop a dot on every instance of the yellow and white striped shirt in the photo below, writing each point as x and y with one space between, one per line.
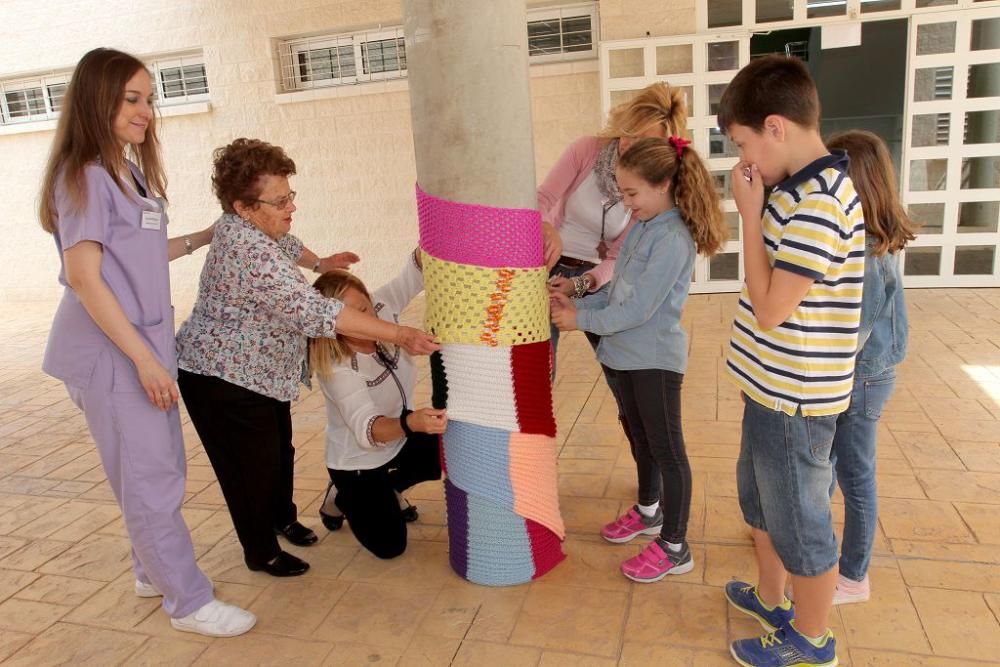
813 226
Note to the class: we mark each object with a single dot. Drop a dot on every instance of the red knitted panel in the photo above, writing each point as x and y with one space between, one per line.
532 371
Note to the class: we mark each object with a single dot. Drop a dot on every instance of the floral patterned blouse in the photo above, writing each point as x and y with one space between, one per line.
254 312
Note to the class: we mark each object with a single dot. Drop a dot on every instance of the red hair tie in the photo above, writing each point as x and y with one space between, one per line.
679 144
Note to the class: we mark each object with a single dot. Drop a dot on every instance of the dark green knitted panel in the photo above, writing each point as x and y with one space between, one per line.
439 382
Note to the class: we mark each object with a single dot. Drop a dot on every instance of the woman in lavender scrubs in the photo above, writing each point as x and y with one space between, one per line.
112 339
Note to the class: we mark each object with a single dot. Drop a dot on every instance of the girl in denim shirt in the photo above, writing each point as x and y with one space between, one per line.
881 345
643 347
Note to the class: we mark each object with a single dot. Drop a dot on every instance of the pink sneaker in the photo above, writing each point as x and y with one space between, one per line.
632 524
849 591
654 562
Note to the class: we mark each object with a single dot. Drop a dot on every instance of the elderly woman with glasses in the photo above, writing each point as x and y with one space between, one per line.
242 352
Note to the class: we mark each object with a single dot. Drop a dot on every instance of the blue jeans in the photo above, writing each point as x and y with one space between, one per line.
854 462
783 477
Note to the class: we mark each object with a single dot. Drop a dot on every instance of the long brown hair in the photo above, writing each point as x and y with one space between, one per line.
325 352
661 161
886 220
656 104
85 133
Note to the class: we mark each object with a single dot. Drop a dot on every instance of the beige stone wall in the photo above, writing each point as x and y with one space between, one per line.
355 154
629 19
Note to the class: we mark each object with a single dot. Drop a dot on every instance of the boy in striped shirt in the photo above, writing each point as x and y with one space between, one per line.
791 352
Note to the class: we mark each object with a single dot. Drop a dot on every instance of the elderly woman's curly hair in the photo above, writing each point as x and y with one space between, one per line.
239 166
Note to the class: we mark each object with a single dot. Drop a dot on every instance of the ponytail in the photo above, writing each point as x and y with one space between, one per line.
673 160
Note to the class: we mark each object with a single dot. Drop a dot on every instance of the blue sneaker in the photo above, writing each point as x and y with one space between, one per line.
744 597
785 648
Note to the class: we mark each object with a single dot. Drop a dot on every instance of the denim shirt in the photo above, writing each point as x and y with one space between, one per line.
884 328
639 316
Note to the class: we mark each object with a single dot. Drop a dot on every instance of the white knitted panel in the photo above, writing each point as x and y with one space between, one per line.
480 385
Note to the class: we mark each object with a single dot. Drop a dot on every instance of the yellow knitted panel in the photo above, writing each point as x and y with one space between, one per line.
483 306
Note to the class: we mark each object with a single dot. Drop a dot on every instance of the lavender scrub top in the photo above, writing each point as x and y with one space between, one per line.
134 264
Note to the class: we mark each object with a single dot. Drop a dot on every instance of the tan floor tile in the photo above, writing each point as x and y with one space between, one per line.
173 652
11 642
978 431
34 554
29 616
697 626
981 577
474 654
382 615
347 653
64 643
978 456
422 565
266 650
59 590
921 520
115 606
642 654
899 486
426 651
583 485
12 581
588 516
593 565
724 520
565 618
465 610
888 620
100 557
928 450
295 607
973 553
862 657
558 659
724 563
954 485
951 618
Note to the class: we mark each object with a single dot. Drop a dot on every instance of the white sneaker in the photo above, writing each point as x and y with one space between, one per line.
216 619
144 590
849 591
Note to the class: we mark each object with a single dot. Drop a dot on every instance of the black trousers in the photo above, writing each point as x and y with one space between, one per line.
368 497
248 439
651 400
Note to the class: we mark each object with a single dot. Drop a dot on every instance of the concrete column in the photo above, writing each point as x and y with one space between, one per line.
467 63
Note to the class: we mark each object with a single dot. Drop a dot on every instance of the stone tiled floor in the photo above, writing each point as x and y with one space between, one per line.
65 586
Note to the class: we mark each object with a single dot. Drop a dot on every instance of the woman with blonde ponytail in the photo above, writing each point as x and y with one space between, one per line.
643 347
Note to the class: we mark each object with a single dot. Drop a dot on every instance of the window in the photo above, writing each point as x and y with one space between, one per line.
180 79
333 60
177 80
27 100
559 33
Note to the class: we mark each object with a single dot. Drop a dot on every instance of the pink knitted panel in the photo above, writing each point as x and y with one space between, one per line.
480 235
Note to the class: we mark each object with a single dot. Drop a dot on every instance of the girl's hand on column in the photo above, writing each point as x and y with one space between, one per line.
563 312
560 284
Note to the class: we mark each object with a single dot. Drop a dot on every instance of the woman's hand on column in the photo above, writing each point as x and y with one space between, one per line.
340 260
428 420
561 284
416 341
161 390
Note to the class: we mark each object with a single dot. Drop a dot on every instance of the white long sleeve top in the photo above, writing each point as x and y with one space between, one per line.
366 387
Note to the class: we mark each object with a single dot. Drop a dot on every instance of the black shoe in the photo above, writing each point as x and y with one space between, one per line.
298 534
409 512
331 522
284 565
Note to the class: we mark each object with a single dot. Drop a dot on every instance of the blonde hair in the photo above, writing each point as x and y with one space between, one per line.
886 220
325 352
656 104
659 161
85 133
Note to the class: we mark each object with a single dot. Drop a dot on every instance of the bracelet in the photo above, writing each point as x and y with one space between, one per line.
187 245
580 286
315 268
407 431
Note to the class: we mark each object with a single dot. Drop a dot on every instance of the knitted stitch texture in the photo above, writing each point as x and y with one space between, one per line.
488 304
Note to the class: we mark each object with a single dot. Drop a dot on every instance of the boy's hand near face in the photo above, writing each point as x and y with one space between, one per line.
748 191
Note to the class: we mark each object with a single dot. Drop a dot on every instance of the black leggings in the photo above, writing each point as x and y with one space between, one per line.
651 400
368 497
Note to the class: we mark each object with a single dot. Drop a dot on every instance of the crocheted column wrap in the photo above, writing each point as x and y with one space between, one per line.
487 302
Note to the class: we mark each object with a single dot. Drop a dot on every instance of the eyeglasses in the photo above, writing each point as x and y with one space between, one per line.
280 204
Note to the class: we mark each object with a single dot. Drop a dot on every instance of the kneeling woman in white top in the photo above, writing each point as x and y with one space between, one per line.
376 447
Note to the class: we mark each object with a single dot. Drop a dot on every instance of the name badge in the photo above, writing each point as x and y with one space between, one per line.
151 220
